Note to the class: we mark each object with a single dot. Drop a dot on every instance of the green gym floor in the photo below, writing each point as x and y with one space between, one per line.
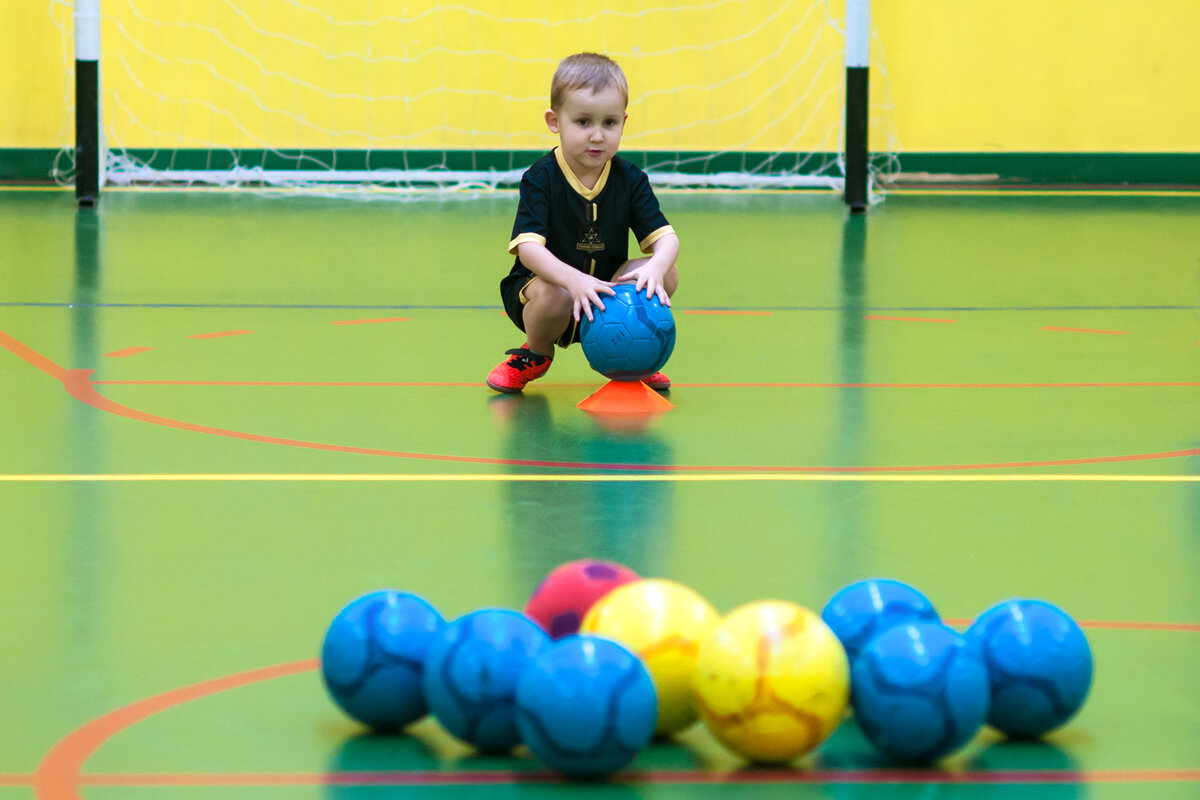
223 416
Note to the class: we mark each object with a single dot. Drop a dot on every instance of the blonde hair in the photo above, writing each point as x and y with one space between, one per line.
586 71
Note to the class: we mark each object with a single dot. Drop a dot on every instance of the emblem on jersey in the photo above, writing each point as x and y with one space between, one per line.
589 239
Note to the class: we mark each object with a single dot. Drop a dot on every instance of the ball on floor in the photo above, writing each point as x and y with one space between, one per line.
772 681
919 692
373 657
1039 665
562 599
663 623
862 610
586 706
472 671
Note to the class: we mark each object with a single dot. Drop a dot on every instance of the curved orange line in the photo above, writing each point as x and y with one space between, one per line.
680 385
786 775
78 384
58 775
32 357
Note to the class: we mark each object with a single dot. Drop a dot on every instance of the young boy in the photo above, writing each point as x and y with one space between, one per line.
571 236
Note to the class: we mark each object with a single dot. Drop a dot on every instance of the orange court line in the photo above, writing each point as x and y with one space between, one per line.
541 776
326 384
128 351
681 385
1084 330
1116 625
1112 625
58 776
219 334
370 321
78 384
718 313
33 357
15 780
911 319
1031 385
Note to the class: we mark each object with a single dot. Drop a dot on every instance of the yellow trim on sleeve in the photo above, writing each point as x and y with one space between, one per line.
648 242
525 237
583 191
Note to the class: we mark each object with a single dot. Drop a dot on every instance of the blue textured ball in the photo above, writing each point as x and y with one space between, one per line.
1039 665
919 692
373 657
472 671
632 338
586 707
863 610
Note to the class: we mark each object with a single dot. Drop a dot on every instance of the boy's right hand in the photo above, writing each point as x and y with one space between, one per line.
585 291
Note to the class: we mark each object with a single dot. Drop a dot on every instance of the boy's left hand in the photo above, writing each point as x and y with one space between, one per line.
648 276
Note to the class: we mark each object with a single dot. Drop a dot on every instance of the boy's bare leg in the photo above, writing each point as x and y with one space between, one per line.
547 314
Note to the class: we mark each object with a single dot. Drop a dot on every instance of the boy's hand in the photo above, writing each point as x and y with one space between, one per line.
649 276
585 292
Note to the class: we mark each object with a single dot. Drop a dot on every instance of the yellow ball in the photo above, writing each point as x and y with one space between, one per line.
663 622
772 682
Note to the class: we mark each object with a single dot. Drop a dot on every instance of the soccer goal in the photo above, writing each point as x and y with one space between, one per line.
384 97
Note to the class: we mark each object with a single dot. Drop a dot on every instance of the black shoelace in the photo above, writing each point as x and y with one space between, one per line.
523 358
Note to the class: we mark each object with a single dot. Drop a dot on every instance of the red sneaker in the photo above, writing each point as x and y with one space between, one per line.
523 367
658 382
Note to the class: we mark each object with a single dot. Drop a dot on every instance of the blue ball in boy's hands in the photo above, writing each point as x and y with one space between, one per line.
373 657
632 338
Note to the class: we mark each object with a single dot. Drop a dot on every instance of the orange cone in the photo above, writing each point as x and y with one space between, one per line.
625 397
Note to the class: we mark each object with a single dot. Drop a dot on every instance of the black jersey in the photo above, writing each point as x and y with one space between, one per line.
586 228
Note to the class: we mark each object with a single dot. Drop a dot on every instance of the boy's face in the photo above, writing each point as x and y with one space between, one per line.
589 127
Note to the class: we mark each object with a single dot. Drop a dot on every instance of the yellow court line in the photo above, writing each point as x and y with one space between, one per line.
668 477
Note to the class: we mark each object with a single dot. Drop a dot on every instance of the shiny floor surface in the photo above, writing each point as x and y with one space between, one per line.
225 415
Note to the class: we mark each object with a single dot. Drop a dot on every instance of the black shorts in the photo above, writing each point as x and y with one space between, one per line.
511 289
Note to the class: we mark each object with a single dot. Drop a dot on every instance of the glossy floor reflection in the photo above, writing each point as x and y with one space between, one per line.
223 416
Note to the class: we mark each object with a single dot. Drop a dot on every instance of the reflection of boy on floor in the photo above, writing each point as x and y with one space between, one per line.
571 236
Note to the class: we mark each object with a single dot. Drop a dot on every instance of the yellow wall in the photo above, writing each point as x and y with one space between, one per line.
33 82
1017 75
1044 75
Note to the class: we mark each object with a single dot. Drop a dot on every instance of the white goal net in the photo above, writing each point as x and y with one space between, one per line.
387 94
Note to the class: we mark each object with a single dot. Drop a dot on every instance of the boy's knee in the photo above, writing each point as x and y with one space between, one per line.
547 299
671 280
